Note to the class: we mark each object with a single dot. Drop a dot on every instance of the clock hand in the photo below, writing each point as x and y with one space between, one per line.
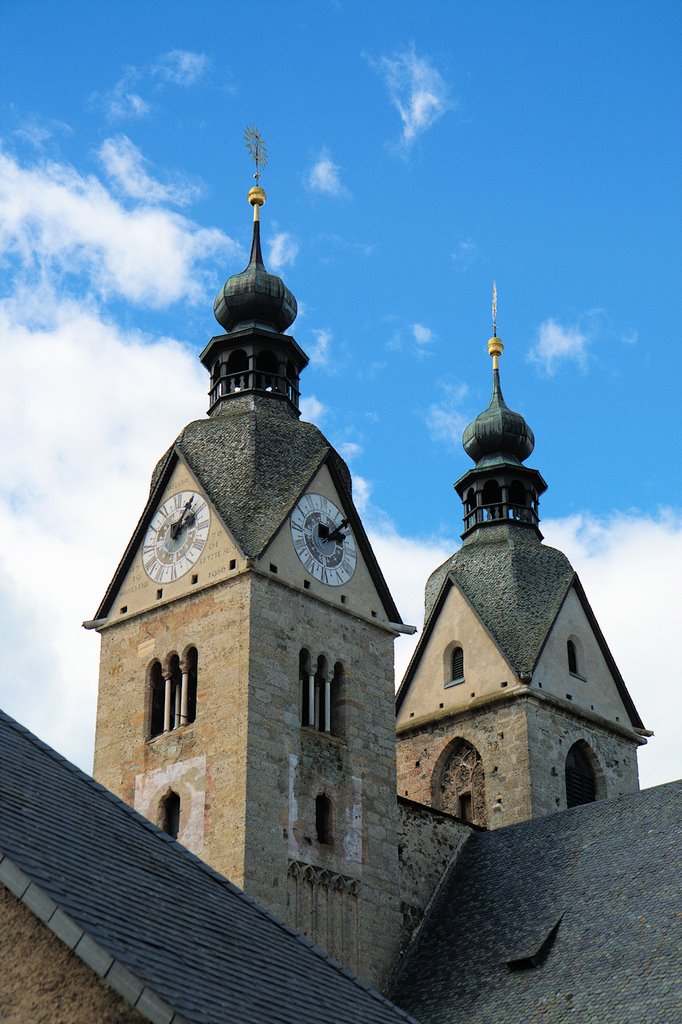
337 534
176 527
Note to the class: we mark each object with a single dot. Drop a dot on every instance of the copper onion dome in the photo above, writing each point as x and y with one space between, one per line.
255 296
498 430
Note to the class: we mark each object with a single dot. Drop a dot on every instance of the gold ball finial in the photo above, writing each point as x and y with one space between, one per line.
495 349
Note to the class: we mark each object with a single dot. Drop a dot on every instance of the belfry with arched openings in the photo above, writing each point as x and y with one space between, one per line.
512 706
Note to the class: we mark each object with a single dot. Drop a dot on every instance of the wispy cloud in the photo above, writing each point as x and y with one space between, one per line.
324 177
126 166
350 450
445 419
422 335
312 410
37 130
321 350
417 90
125 102
181 67
282 250
465 253
55 223
559 344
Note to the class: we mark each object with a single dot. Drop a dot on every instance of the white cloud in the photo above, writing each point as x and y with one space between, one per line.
445 419
350 450
54 220
37 130
312 410
324 176
122 103
422 335
181 67
321 349
362 491
126 166
556 344
76 397
282 251
417 90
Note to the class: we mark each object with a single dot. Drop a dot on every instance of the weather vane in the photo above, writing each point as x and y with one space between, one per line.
256 148
494 310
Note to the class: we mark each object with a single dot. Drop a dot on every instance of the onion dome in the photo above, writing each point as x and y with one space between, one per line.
255 296
498 430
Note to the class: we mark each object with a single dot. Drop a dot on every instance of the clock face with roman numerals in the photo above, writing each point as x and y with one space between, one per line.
176 536
323 540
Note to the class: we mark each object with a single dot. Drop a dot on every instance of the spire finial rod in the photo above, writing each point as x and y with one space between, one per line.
259 155
495 345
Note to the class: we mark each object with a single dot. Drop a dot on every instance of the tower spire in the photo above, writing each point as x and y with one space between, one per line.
254 309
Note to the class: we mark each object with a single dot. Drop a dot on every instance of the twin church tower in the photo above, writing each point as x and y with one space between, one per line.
247 698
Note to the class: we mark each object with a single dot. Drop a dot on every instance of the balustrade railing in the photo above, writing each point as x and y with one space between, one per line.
247 380
500 511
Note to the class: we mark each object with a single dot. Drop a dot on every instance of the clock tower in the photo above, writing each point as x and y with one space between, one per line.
246 678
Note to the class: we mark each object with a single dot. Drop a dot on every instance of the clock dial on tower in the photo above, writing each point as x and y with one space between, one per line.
176 536
323 540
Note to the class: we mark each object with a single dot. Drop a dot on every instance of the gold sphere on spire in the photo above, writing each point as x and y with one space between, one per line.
495 349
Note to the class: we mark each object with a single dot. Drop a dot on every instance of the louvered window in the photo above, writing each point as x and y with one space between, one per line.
572 657
458 663
580 781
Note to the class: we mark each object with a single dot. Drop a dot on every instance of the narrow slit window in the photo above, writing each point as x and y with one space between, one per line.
171 815
572 658
323 819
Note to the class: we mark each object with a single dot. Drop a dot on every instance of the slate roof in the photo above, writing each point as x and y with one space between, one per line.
254 458
516 585
175 938
607 872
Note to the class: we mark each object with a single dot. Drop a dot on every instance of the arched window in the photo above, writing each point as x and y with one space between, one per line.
572 657
457 665
307 688
175 674
323 819
459 783
322 696
170 815
581 785
237 362
338 697
492 498
192 670
157 697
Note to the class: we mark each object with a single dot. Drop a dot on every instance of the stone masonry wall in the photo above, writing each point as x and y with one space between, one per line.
498 731
429 840
290 765
203 762
246 771
552 731
43 981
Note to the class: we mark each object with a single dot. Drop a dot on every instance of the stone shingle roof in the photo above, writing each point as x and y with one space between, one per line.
607 872
173 937
254 458
516 585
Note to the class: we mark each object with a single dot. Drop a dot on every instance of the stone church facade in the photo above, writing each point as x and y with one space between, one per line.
246 695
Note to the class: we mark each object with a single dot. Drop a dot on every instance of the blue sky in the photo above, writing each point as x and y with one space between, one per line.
416 154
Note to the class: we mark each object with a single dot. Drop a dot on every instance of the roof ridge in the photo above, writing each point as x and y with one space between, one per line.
234 890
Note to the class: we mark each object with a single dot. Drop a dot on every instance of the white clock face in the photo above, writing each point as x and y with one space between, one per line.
176 536
323 540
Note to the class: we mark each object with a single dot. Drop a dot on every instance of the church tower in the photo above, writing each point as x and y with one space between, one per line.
512 706
246 693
